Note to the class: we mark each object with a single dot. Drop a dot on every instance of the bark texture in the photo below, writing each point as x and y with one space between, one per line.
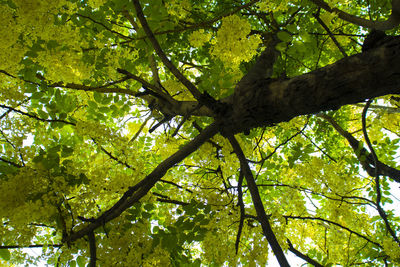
263 102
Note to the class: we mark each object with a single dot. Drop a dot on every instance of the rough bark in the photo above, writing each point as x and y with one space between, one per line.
373 73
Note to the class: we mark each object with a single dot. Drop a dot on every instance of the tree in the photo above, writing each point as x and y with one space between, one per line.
193 132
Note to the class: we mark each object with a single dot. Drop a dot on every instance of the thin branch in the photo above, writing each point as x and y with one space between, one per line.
320 149
92 247
204 24
339 199
333 223
335 41
258 205
105 27
112 156
176 185
390 23
140 129
31 246
99 89
242 211
188 84
278 146
11 163
8 74
381 211
165 199
302 256
35 116
366 159
138 79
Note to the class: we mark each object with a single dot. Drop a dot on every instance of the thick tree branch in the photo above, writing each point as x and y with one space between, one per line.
390 23
135 193
262 68
264 102
258 205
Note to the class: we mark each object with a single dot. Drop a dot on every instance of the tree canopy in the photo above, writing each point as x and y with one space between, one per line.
199 133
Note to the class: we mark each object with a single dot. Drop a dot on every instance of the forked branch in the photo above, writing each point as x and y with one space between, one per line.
188 84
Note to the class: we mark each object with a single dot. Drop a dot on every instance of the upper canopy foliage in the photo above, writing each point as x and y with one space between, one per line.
117 133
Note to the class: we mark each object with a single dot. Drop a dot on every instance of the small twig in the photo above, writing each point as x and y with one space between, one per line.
166 199
11 163
35 116
188 84
320 149
8 74
140 129
112 156
176 185
242 211
105 27
31 246
335 41
333 223
180 125
261 161
138 79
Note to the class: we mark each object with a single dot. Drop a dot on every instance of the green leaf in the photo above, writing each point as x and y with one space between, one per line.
5 254
81 261
284 36
98 97
281 46
149 207
66 151
42 114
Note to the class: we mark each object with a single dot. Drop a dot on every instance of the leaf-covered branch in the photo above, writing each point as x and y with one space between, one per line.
366 158
136 192
388 24
188 84
302 256
35 116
